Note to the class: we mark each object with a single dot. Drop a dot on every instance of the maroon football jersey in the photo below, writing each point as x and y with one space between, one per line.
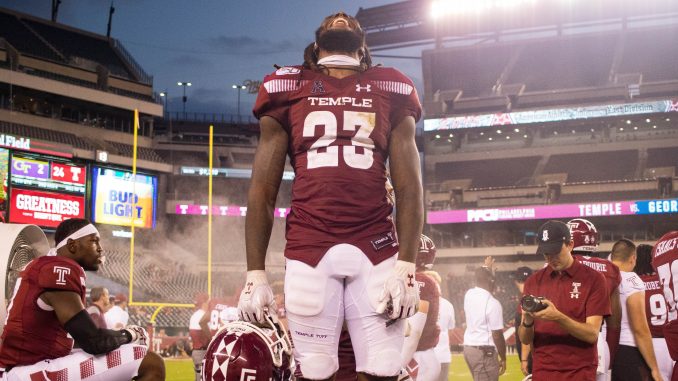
655 304
215 309
339 132
609 270
665 262
429 291
31 333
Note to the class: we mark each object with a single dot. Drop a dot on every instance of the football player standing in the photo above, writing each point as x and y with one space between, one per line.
339 119
665 261
656 309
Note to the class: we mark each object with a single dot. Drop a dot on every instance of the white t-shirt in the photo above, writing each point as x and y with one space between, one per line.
630 284
116 316
194 323
483 315
445 322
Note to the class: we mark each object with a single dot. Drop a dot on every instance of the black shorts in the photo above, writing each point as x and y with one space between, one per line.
629 365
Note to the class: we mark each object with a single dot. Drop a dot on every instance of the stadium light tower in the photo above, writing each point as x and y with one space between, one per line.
239 87
165 95
184 85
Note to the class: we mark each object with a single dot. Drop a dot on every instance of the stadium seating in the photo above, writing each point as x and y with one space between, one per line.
144 153
640 54
489 173
565 63
24 39
46 135
77 44
594 166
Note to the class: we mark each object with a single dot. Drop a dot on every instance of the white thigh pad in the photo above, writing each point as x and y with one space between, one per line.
376 280
304 289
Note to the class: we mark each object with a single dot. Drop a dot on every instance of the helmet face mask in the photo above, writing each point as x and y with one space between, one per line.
584 235
242 350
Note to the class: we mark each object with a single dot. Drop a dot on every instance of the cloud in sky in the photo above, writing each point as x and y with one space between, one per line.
254 46
190 60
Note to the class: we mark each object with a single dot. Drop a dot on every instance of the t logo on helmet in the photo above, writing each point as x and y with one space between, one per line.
248 374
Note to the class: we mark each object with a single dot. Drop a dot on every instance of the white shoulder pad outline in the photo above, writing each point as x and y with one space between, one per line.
287 70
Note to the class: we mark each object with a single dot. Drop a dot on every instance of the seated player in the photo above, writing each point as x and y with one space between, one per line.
46 315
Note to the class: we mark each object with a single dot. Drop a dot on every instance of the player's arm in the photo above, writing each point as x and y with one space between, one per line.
585 331
74 318
635 305
415 329
526 329
495 317
267 171
613 324
406 176
204 324
525 354
500 343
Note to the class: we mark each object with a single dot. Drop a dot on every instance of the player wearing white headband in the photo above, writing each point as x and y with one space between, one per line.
48 306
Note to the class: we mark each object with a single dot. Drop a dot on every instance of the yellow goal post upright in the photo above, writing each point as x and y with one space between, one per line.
159 306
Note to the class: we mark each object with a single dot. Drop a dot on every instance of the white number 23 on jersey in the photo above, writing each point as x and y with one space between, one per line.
362 121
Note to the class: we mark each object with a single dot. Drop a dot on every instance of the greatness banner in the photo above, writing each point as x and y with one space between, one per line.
117 199
44 209
542 212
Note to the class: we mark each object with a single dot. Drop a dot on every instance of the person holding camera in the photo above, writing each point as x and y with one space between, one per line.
484 345
563 307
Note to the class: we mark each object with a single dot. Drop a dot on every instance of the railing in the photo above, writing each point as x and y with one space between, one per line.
178 116
138 71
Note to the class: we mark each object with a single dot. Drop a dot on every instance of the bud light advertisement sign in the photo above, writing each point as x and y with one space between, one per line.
118 198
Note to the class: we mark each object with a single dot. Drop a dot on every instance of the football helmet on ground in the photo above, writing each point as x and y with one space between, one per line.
244 351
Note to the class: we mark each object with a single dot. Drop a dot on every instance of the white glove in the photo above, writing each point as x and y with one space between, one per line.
400 297
138 334
256 299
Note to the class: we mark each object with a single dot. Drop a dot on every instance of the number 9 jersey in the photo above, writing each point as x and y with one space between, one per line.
665 261
339 131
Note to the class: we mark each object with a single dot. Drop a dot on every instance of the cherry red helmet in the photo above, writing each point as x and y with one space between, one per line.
584 235
244 351
427 253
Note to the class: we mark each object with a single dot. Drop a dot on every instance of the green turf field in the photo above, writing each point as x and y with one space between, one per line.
182 370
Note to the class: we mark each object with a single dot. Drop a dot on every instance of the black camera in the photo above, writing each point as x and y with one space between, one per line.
531 303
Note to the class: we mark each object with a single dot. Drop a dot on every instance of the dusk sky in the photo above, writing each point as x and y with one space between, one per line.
211 43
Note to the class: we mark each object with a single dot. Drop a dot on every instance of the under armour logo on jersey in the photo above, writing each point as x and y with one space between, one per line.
545 235
61 274
359 88
574 294
317 87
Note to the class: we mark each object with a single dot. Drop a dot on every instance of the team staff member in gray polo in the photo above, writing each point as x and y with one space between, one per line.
484 345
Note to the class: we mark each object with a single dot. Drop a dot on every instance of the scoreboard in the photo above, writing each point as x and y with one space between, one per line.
48 174
45 191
